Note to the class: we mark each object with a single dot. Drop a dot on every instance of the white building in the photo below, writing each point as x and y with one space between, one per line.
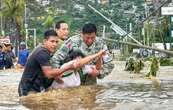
103 1
43 2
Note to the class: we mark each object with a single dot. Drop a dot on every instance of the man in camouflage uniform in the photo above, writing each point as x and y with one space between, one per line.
89 44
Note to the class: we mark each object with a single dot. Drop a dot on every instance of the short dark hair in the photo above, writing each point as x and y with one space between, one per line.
74 53
57 26
49 33
89 28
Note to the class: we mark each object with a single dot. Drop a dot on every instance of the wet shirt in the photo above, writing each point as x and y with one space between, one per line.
76 42
23 55
8 59
70 78
1 60
60 42
33 78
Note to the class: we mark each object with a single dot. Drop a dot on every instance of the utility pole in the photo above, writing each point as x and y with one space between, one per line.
146 37
26 26
115 27
35 39
1 24
29 29
141 46
25 20
1 15
103 33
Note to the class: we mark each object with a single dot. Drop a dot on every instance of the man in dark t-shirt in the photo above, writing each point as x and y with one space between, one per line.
1 58
38 73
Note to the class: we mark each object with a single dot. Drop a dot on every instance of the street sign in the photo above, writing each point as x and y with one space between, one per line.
167 10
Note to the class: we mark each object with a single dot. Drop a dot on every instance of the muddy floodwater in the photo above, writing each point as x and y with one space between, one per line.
118 91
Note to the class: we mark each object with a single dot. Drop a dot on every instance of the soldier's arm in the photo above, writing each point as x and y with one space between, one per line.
107 66
81 62
99 63
107 69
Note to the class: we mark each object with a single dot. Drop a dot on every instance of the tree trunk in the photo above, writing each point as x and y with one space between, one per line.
17 38
164 43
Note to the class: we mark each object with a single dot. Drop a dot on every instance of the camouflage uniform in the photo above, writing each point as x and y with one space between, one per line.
60 42
76 42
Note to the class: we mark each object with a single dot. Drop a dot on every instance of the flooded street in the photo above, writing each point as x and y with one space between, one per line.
9 99
118 91
72 43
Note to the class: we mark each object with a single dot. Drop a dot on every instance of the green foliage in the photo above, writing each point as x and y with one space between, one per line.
130 64
30 44
13 8
135 65
48 22
14 11
2 33
166 62
77 13
138 66
154 67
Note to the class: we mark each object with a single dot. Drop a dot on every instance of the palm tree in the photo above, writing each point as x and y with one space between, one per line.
14 11
49 21
148 29
162 29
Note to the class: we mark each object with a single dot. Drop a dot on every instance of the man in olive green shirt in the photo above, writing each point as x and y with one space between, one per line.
62 29
89 44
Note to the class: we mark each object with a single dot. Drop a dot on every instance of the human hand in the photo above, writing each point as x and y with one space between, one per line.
77 64
59 80
101 53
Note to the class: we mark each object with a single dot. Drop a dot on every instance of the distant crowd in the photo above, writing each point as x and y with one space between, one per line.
7 56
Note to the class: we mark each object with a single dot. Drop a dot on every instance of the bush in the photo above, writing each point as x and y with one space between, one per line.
166 62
